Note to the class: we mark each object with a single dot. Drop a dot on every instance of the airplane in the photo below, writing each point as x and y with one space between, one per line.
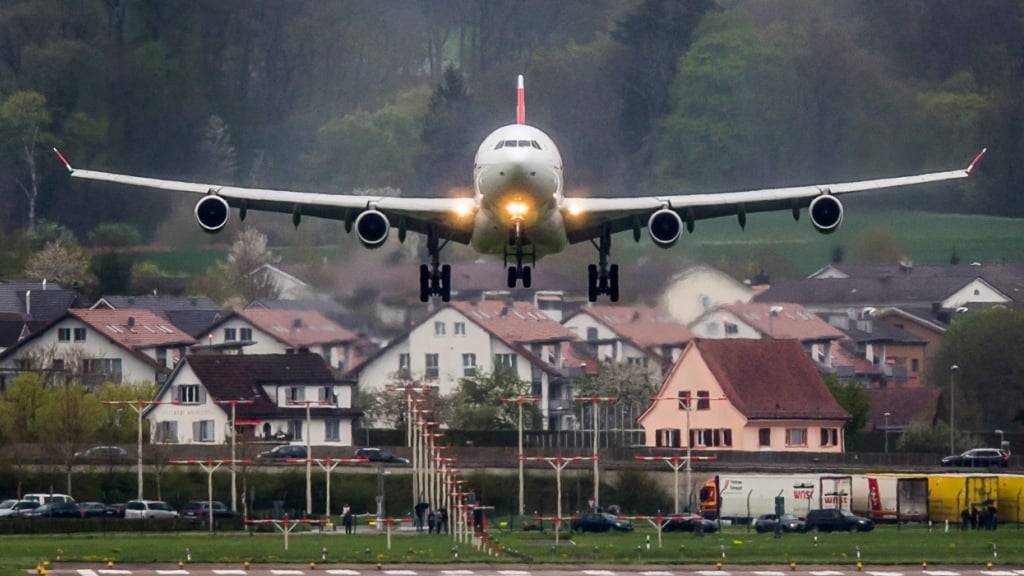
519 209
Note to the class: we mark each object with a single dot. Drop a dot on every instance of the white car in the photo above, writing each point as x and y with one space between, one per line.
148 509
18 508
44 498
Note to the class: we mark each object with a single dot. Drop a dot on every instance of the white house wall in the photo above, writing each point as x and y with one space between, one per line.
187 414
712 326
689 296
620 351
264 343
978 291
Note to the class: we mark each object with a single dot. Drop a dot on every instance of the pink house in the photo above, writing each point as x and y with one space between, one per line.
745 395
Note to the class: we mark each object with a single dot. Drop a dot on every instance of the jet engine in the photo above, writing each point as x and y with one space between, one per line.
372 228
826 213
212 213
665 227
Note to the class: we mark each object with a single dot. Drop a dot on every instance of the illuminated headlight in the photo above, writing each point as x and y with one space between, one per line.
517 209
574 209
463 209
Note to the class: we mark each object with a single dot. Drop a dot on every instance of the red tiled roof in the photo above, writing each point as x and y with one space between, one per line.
769 379
297 328
133 328
792 321
514 322
905 404
643 325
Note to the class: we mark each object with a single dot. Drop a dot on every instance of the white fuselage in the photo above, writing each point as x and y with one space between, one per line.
521 182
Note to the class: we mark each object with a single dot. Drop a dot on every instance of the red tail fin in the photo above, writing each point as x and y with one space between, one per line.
521 102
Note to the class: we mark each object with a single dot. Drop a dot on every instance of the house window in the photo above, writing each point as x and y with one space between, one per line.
460 328
915 365
107 368
295 429
245 334
432 362
730 328
326 394
727 437
667 438
167 432
505 361
403 364
764 437
703 400
591 334
438 328
829 436
332 430
161 356
684 399
64 334
189 394
57 365
79 334
203 431
634 361
229 335
796 436
469 364
296 394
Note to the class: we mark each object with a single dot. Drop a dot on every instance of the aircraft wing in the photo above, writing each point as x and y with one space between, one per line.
452 218
585 218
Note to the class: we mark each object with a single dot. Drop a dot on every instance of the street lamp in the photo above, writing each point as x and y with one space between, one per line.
140 406
595 401
952 402
886 429
309 447
234 432
519 401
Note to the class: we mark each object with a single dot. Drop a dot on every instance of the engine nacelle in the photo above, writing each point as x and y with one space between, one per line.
212 213
372 228
826 213
665 227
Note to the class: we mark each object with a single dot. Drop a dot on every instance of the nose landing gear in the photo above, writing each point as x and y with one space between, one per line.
603 278
518 243
435 279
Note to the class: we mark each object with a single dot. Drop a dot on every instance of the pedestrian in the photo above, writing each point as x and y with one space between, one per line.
993 517
444 521
347 519
974 517
965 519
431 522
419 510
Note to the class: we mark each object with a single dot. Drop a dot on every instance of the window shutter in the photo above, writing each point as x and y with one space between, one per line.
202 395
195 432
321 393
176 393
172 432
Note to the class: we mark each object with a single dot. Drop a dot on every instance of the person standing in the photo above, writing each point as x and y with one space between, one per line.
443 517
419 510
347 519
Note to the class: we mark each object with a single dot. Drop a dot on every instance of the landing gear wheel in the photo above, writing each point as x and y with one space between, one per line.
602 278
613 282
513 276
446 283
435 279
592 283
527 275
424 283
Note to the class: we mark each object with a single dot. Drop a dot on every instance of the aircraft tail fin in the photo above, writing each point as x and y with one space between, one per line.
520 102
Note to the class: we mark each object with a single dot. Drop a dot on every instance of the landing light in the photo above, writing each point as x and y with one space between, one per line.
517 209
575 209
463 209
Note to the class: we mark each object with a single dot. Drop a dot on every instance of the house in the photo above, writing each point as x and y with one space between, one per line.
39 302
778 320
639 335
193 314
900 354
698 289
904 405
119 346
918 323
266 331
278 385
745 395
467 338
288 286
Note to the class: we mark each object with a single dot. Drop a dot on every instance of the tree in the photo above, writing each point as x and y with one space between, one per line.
120 424
146 277
65 264
68 420
114 235
239 276
24 120
632 384
928 438
445 139
477 404
879 245
20 414
850 397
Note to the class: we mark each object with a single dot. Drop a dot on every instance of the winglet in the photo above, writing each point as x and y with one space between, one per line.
64 160
976 160
520 102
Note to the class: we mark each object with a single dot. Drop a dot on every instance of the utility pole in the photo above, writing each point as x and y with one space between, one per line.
595 401
676 463
952 402
685 404
209 466
558 463
234 431
309 448
410 399
887 414
328 465
139 406
519 401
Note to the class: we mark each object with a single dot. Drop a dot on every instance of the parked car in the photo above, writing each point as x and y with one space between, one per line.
979 457
283 452
832 519
689 523
600 522
43 498
790 523
378 455
154 509
54 510
115 510
17 508
92 509
102 453
200 510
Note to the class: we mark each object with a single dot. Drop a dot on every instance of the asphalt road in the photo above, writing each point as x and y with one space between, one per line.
533 570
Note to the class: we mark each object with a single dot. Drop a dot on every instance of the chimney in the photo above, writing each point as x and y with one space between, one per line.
297 323
131 321
44 284
28 303
504 311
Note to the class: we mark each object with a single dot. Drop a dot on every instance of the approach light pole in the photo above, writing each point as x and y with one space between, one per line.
209 466
328 465
887 414
676 463
595 402
309 449
952 402
234 432
558 463
686 405
519 401
139 406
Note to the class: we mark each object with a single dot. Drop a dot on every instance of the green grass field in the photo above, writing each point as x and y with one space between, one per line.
886 545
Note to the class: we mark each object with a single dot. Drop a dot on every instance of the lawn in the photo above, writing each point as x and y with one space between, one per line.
886 545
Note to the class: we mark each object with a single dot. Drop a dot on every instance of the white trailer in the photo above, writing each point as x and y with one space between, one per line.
743 496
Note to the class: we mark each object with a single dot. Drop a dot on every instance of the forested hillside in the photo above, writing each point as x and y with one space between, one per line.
641 95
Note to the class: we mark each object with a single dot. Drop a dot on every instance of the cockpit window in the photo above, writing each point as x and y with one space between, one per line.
510 143
524 143
535 144
501 143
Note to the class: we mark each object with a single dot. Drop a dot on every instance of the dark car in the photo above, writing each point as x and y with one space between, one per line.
980 458
600 522
55 510
378 455
115 510
92 509
690 523
283 452
200 510
831 519
789 523
103 453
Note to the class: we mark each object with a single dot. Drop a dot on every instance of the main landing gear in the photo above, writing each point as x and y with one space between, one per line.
435 279
602 278
516 248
